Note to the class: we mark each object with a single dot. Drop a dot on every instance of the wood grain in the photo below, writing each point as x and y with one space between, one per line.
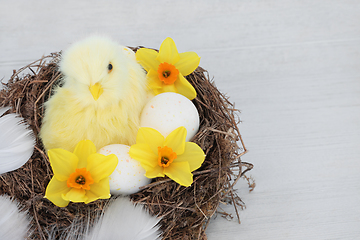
292 67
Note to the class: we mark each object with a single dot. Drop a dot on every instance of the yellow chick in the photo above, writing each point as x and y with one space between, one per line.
103 93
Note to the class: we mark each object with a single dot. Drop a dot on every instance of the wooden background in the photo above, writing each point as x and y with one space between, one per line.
292 67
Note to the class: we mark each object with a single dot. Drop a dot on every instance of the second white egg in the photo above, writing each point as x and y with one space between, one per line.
128 176
167 111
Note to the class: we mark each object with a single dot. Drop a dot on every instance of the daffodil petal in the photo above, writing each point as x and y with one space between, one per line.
168 52
180 173
185 88
100 190
154 172
55 190
169 88
153 80
147 58
75 195
101 166
63 163
147 167
176 140
143 153
188 62
83 150
158 91
151 137
155 84
193 154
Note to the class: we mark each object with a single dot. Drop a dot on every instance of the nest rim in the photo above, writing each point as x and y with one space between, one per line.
218 136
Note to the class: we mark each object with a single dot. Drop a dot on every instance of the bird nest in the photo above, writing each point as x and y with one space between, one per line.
185 211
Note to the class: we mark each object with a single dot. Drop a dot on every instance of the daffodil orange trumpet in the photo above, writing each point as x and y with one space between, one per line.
170 156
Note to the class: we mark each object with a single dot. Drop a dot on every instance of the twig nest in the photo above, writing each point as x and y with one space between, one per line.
185 211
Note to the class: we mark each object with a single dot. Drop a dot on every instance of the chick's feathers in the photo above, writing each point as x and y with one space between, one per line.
73 114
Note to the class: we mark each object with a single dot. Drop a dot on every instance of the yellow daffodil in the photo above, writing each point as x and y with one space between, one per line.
170 156
167 68
81 176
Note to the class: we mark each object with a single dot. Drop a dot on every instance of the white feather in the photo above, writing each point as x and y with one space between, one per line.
120 220
16 142
76 231
13 223
123 220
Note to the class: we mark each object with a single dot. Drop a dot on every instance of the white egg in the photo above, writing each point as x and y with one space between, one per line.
128 175
167 111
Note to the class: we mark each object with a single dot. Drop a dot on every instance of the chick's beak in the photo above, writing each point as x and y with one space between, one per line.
96 90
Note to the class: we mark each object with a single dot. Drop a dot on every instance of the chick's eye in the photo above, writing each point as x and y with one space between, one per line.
110 67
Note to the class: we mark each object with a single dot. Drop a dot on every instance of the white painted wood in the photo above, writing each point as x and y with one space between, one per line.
292 67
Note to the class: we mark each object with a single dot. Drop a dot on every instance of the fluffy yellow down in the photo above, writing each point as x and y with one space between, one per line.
111 115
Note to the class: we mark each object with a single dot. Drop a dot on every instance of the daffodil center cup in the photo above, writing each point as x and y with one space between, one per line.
80 179
167 73
165 156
